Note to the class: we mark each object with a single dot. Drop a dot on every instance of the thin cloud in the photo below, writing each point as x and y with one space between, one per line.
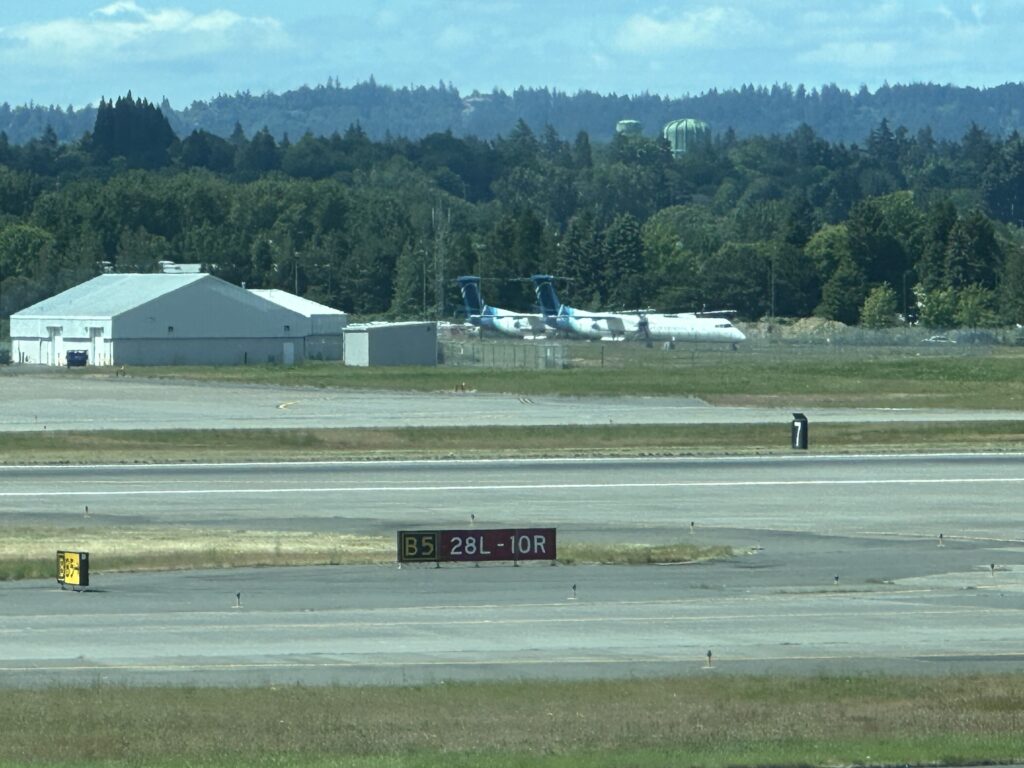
855 55
151 33
709 27
456 36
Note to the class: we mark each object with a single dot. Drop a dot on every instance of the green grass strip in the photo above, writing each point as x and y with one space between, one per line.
983 378
713 721
149 446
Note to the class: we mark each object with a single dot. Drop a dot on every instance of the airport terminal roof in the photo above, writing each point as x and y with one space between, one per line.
109 295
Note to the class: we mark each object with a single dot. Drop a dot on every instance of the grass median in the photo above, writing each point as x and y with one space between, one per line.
974 378
626 440
712 721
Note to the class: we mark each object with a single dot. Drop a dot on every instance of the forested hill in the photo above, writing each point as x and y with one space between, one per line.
774 226
835 114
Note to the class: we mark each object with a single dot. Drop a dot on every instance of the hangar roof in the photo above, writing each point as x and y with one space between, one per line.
109 295
304 307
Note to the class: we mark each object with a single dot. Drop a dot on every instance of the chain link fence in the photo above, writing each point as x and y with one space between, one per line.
504 354
763 341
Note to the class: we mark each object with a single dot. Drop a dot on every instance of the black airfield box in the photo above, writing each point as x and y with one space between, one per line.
799 432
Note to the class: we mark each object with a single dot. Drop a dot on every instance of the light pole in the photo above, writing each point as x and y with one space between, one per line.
906 320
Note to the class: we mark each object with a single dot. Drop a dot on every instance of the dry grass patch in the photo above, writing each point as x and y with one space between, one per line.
639 554
29 552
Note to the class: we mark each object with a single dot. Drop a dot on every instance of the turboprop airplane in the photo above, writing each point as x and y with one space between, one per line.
493 318
642 325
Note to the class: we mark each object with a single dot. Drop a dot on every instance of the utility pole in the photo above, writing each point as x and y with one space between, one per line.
441 221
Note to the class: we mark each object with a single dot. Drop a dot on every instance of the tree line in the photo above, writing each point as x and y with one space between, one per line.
834 113
902 225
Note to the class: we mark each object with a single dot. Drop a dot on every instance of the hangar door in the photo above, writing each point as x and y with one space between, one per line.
97 347
51 350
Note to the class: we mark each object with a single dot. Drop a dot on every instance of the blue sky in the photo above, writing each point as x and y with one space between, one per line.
75 51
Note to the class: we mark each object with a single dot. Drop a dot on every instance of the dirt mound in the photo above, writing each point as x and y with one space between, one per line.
815 326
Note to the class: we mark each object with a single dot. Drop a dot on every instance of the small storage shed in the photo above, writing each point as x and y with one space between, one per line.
158 319
391 344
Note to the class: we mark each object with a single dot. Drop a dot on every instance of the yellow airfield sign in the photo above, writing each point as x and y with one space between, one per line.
72 568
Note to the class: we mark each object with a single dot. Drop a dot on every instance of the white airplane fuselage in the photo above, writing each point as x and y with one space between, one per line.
510 323
653 327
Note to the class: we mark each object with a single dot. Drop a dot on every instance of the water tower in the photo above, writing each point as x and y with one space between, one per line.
686 135
629 127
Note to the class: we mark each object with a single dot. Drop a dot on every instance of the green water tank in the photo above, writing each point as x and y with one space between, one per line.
686 135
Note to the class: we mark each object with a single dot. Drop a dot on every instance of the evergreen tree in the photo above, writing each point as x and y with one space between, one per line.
579 262
844 293
410 294
972 254
1011 286
259 156
133 129
938 223
624 284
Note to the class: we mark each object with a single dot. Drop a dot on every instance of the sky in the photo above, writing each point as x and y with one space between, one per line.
73 52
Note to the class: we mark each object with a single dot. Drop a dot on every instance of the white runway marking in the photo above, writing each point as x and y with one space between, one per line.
515 487
654 460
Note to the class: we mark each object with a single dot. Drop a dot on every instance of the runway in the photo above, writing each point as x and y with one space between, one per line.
64 401
837 568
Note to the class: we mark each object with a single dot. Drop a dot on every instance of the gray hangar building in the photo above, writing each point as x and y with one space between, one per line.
161 319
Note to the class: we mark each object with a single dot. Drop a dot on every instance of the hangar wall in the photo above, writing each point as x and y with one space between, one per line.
42 342
205 351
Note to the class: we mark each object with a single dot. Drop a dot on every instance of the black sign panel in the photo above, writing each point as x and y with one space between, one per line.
475 545
798 432
418 546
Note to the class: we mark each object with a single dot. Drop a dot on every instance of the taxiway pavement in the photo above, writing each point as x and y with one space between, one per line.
63 400
837 568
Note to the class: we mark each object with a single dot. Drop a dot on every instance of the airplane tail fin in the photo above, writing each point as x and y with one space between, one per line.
471 298
544 287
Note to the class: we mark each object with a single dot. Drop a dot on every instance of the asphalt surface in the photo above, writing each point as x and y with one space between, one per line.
66 400
837 568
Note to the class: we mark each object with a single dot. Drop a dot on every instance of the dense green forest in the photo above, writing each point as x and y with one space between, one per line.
787 225
835 114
